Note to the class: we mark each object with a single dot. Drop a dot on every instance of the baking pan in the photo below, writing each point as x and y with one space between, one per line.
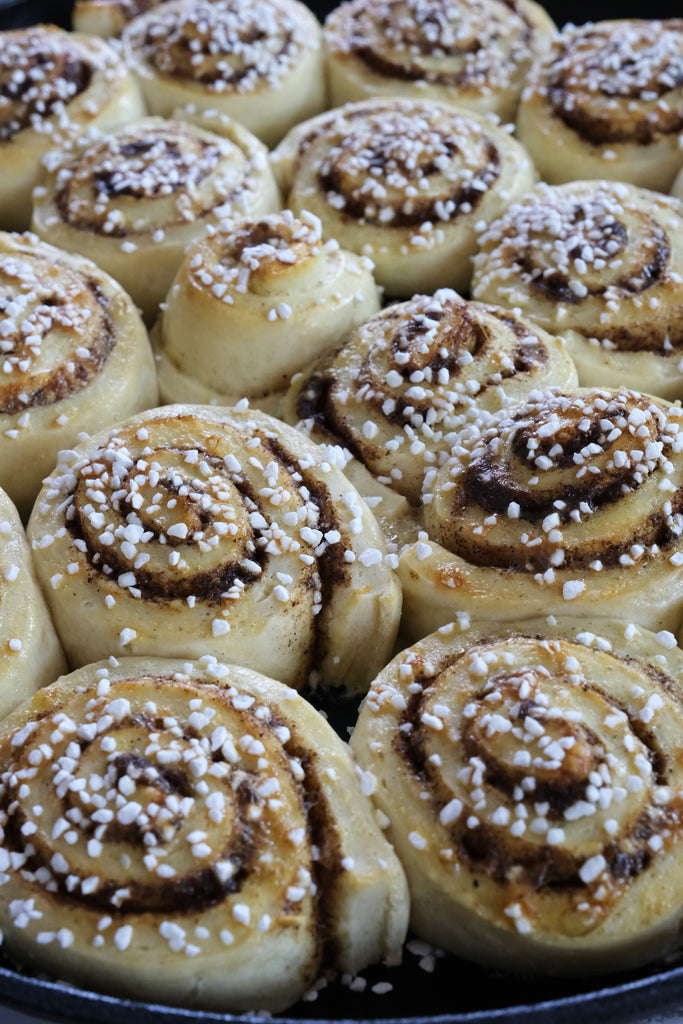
428 987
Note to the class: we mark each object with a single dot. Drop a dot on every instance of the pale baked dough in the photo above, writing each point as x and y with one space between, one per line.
75 357
31 655
403 386
193 529
606 101
134 200
57 84
565 505
601 264
251 304
261 63
531 775
472 53
404 182
224 856
107 18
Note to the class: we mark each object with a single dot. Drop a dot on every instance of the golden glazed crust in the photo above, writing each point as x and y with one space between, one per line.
203 841
532 779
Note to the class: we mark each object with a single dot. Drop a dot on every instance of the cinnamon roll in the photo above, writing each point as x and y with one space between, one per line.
252 303
532 780
133 201
260 63
53 84
473 53
397 393
108 18
190 529
75 356
606 101
189 833
31 653
600 264
567 504
403 182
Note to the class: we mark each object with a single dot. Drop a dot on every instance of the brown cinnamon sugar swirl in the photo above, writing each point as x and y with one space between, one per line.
601 264
74 355
474 53
397 393
606 101
567 504
190 529
189 833
134 200
108 18
403 182
53 84
532 779
31 653
260 63
252 303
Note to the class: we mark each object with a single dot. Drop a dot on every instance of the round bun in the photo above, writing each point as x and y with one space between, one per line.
404 182
601 264
204 839
261 63
532 781
252 303
472 53
189 530
606 101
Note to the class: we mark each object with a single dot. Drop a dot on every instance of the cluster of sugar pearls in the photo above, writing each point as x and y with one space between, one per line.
223 32
562 243
637 60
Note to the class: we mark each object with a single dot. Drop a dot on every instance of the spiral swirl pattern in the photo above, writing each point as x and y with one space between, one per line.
179 819
75 355
191 530
137 197
474 53
610 94
53 84
600 264
404 182
397 393
568 504
260 64
533 785
252 304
